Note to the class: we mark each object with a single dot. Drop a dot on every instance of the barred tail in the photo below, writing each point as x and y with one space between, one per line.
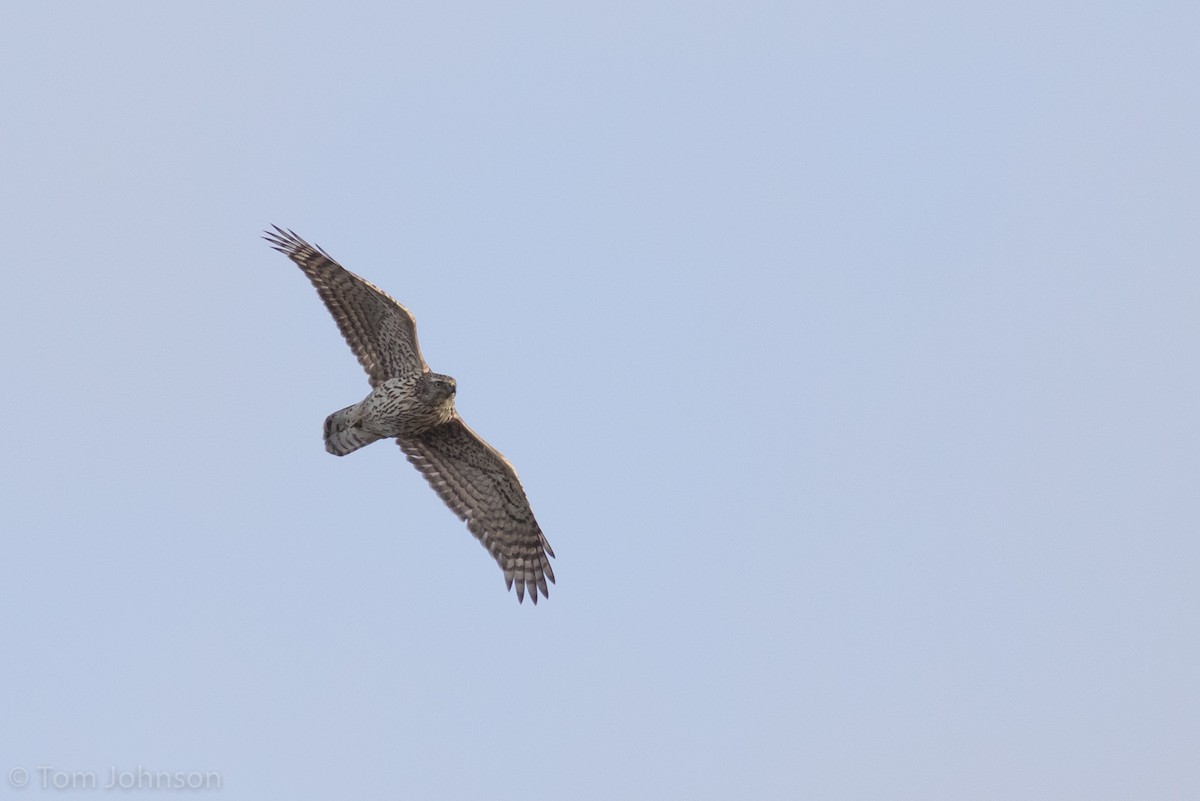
341 437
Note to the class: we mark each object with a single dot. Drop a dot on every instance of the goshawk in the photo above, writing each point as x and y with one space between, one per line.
415 406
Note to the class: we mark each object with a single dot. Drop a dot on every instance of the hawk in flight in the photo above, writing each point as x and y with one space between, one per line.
415 406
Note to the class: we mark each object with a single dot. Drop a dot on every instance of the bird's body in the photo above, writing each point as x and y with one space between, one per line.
406 407
415 406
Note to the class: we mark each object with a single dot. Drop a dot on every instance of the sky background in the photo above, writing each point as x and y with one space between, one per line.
848 353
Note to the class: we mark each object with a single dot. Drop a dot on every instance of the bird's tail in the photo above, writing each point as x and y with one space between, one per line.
341 437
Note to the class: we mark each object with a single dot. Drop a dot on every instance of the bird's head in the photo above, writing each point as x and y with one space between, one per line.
442 384
440 387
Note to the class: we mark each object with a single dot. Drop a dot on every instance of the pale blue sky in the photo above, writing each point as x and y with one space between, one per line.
848 353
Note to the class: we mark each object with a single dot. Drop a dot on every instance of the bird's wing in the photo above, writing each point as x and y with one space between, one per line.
381 332
480 485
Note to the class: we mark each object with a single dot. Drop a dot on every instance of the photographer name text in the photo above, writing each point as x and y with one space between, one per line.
115 779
